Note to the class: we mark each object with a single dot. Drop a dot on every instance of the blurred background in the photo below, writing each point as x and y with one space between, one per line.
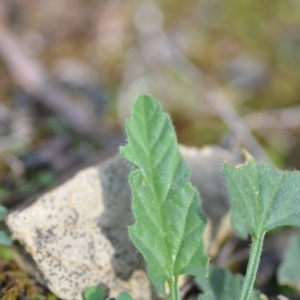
228 72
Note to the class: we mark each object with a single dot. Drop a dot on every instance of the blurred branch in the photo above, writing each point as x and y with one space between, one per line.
34 80
14 163
158 50
215 96
235 123
287 118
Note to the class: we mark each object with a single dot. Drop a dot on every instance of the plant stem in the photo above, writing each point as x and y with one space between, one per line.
174 290
255 253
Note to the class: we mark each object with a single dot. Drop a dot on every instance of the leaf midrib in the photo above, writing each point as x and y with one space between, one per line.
146 129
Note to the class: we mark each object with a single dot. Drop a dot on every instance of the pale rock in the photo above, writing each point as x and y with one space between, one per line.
77 233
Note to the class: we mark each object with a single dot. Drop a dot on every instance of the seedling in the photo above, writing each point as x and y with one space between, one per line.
169 221
94 293
262 199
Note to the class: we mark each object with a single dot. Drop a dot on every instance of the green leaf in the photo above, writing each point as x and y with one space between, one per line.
262 198
6 253
44 178
289 270
94 293
222 285
206 296
124 296
169 222
5 239
3 212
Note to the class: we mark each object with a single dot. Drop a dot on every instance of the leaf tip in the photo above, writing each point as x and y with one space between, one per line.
143 99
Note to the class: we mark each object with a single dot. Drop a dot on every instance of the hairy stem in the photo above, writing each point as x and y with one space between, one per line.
255 253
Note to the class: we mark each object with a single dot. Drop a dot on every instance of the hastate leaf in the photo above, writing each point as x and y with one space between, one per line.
262 198
169 222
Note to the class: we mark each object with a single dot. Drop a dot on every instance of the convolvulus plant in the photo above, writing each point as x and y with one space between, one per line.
169 221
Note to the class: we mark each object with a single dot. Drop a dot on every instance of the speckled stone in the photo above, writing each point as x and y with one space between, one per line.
77 233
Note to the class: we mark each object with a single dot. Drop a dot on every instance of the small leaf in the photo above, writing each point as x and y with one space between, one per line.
169 221
124 296
6 253
222 285
3 211
94 293
5 239
289 271
262 198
